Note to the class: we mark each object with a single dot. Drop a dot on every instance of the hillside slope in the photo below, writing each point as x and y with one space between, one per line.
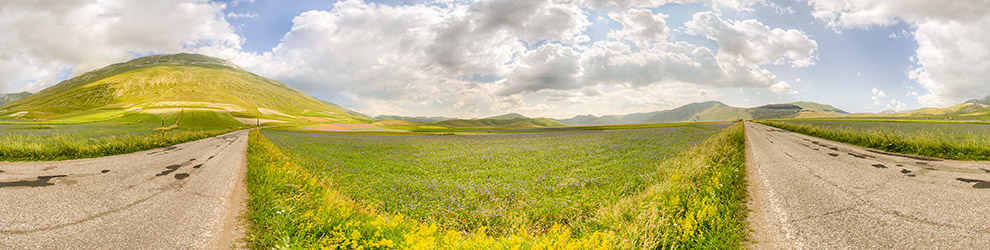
984 101
189 81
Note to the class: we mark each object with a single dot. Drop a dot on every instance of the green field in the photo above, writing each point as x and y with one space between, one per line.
959 140
130 133
676 186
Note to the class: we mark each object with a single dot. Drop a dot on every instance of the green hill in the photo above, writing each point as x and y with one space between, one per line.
703 111
10 97
823 108
186 81
508 116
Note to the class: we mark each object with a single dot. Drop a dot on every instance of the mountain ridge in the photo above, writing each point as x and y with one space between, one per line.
10 97
174 81
417 119
710 111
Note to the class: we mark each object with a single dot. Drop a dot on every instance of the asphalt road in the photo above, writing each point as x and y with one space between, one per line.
186 196
810 193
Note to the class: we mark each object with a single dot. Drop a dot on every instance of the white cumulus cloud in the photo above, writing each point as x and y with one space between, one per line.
750 42
782 88
953 40
44 38
640 26
896 105
877 95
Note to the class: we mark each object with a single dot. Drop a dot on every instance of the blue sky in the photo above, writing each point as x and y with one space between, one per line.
542 57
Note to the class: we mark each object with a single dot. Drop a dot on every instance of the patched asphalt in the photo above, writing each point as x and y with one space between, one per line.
810 193
185 196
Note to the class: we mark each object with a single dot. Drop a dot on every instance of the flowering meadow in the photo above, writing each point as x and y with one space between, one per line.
622 188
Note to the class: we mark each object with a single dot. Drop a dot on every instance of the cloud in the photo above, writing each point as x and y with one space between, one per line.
953 41
750 42
861 13
782 88
246 15
877 95
616 63
738 5
896 105
640 26
532 20
413 58
952 61
551 66
45 39
424 59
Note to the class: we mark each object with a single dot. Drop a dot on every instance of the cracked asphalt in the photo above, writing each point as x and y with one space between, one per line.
182 197
810 193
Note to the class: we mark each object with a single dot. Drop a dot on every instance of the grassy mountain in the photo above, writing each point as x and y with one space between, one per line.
703 111
511 120
508 116
10 97
822 108
417 119
591 120
188 81
984 101
609 119
714 111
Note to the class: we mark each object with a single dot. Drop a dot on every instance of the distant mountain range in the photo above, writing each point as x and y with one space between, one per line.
984 101
713 111
510 120
418 119
976 109
10 97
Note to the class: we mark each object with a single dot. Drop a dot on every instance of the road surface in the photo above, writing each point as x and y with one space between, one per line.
810 193
185 196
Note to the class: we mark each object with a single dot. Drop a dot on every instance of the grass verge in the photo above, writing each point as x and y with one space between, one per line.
130 133
956 141
696 205
58 147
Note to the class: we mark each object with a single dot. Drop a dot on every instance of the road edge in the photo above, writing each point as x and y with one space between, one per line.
759 233
234 224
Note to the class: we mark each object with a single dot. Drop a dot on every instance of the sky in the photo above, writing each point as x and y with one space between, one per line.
548 58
